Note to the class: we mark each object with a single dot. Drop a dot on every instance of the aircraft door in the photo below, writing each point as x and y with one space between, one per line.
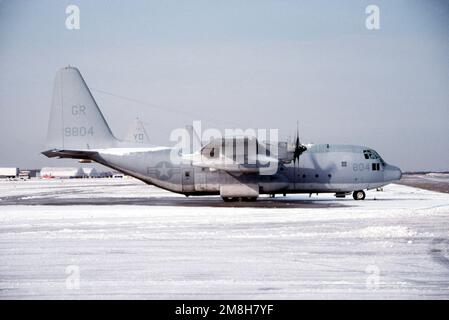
200 179
187 180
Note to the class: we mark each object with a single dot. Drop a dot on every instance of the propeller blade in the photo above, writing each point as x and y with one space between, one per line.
299 148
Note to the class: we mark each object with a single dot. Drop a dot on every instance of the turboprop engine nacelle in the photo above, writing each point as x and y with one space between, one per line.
286 152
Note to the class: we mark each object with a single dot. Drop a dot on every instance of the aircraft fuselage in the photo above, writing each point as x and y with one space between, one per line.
322 168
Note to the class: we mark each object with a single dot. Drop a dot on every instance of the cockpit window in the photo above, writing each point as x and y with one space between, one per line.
371 154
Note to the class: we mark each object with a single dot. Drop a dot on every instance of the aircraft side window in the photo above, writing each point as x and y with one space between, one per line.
187 173
374 167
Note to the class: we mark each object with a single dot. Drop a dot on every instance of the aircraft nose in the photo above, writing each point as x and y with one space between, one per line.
392 173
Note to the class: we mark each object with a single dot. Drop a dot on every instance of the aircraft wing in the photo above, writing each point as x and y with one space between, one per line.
237 155
230 167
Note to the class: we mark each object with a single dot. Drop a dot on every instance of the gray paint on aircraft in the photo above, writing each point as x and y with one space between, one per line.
77 129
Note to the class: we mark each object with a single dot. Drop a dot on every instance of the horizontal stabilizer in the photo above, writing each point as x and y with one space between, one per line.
74 154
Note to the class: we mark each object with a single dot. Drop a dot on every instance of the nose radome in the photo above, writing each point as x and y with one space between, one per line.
392 173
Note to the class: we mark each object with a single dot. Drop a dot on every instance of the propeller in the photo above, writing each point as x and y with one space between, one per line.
299 148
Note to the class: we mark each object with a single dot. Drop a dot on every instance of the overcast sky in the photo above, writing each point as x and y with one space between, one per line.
251 64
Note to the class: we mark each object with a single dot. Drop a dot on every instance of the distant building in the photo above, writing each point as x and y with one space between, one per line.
91 173
106 174
9 172
118 175
35 173
62 173
25 174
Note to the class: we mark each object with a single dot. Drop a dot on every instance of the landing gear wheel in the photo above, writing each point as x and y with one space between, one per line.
250 199
358 195
229 199
241 199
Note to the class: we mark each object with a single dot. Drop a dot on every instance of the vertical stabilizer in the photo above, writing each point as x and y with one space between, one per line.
76 122
137 133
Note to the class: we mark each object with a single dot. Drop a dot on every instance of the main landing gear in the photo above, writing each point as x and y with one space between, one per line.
242 199
358 195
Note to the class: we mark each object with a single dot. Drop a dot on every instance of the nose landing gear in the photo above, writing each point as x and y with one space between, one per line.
358 195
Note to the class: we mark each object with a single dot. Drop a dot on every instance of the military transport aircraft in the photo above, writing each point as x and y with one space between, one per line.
78 130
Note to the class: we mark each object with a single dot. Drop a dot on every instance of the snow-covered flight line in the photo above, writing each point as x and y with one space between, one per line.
396 246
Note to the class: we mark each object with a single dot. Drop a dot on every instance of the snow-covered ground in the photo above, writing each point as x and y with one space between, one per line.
123 239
